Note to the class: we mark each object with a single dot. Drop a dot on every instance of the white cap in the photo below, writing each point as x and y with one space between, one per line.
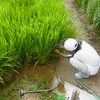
70 44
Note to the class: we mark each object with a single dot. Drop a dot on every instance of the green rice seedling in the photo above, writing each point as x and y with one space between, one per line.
6 60
50 25
96 19
12 28
93 10
6 64
84 4
33 28
91 7
79 1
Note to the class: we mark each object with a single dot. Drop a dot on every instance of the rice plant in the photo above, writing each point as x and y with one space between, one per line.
41 24
50 28
7 60
92 8
84 4
31 29
96 18
78 1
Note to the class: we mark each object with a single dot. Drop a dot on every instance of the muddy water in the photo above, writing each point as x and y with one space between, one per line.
58 71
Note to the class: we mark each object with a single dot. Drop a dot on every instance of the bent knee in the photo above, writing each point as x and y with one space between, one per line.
72 60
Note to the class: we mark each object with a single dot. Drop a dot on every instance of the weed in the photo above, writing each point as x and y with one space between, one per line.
61 97
12 93
32 87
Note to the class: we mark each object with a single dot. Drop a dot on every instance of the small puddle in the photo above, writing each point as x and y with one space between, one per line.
58 71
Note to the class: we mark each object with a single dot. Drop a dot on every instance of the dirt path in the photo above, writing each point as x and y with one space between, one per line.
89 36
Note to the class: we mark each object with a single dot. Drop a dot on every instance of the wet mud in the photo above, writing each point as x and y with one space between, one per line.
58 71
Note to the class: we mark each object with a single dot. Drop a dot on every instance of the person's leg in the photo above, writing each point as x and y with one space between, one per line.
81 67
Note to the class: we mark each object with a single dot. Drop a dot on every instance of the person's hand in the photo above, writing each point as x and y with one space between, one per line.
56 50
60 46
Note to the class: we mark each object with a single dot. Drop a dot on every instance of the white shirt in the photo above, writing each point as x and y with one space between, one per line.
88 55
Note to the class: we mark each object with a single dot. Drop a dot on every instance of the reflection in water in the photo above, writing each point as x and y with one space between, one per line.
57 71
57 81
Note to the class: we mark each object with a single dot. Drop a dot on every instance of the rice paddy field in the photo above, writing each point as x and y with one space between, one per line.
31 29
92 9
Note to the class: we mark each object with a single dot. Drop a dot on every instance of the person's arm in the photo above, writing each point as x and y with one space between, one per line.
59 53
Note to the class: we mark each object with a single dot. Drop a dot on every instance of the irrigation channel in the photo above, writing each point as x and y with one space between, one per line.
59 70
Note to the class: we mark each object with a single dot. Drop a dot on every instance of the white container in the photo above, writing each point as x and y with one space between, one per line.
82 96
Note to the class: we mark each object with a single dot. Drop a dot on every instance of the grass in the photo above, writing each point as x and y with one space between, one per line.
61 97
30 84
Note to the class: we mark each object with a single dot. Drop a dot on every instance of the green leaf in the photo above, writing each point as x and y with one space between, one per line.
61 97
